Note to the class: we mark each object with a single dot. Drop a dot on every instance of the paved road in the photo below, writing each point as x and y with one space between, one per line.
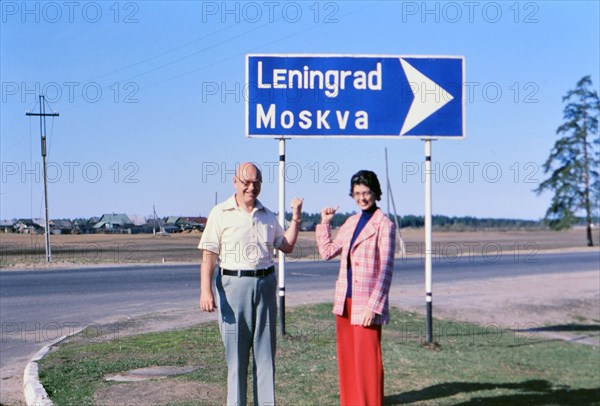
38 306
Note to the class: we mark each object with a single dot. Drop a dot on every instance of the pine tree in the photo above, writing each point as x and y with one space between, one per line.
574 161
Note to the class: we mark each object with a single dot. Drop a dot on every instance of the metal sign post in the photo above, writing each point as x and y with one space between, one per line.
281 277
428 246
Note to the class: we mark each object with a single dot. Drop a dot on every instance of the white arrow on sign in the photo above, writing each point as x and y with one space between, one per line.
431 98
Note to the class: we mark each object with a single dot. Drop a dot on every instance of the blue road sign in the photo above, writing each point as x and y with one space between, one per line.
355 96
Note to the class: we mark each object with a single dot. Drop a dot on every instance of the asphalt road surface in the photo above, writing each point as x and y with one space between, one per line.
36 307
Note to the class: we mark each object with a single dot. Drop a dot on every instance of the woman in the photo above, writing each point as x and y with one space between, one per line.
366 244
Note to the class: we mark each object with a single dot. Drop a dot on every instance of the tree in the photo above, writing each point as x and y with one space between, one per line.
574 161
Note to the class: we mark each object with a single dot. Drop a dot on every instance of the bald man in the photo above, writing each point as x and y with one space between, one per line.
241 233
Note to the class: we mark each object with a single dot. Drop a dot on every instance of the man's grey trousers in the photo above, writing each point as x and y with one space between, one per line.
247 319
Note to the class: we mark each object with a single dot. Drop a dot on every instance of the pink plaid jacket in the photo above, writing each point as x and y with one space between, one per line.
372 259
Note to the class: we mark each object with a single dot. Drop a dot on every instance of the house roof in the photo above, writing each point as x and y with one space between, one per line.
37 222
197 220
63 224
120 219
137 219
172 219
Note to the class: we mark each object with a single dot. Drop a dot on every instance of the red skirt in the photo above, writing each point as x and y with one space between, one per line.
360 366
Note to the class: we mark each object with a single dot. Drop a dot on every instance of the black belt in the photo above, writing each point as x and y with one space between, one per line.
257 273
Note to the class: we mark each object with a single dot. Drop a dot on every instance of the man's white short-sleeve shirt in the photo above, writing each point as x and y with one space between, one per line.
242 240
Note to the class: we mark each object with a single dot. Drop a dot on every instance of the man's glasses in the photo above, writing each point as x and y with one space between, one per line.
247 183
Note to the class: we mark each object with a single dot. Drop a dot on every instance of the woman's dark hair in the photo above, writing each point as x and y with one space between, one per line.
369 179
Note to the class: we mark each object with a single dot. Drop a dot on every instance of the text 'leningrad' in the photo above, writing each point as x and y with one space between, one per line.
331 81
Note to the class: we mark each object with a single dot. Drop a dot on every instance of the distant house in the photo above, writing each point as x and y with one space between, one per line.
137 220
61 227
7 226
171 220
153 225
308 226
30 226
170 225
85 226
187 223
115 223
159 225
192 223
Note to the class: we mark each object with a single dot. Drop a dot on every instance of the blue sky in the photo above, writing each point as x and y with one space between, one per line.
151 102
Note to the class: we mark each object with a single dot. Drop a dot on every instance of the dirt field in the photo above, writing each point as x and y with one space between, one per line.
18 251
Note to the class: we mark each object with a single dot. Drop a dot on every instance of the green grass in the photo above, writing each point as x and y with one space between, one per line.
472 364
